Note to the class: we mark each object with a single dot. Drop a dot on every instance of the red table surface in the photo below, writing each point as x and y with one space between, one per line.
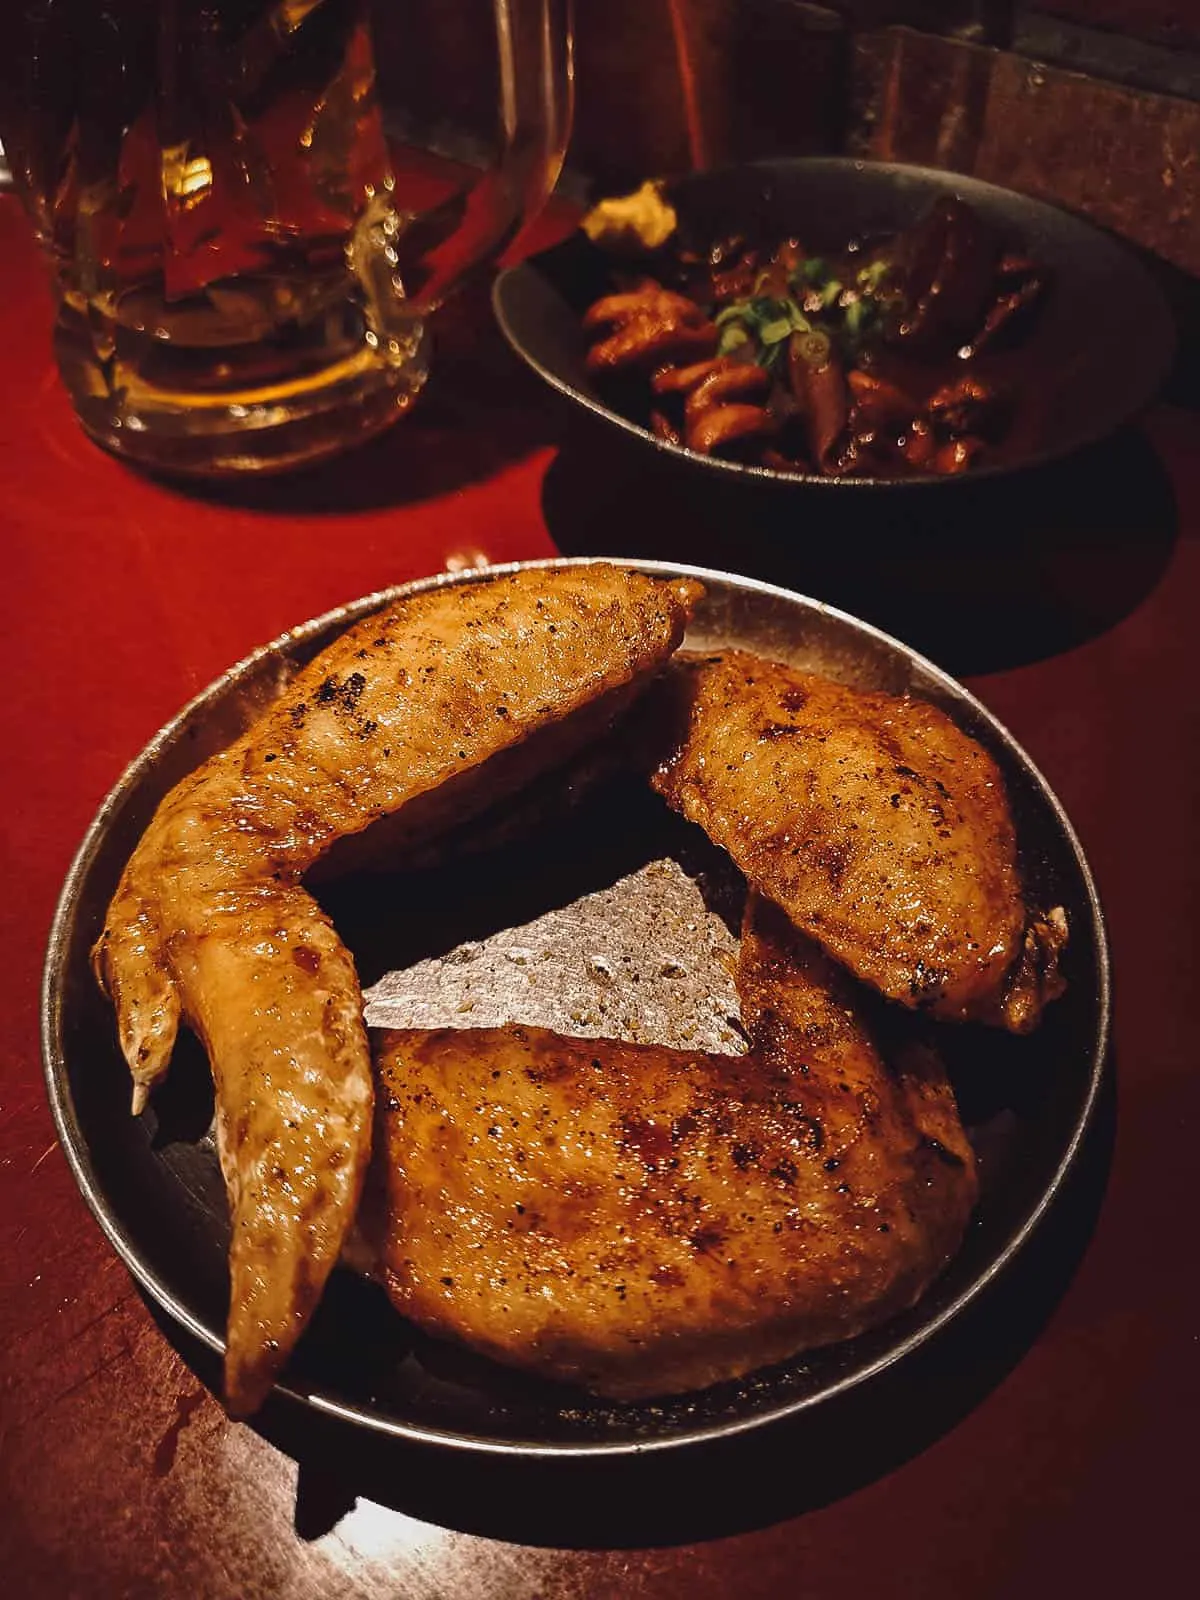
1069 1474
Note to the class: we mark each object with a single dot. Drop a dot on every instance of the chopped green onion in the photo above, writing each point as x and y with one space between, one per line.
766 322
813 348
773 332
871 277
773 356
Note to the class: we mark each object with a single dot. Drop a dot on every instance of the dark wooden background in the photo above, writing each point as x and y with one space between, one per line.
1093 104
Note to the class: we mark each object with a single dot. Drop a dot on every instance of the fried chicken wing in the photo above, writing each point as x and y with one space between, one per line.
881 828
423 713
645 1221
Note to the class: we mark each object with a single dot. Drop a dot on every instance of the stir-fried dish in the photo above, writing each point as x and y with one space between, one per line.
875 360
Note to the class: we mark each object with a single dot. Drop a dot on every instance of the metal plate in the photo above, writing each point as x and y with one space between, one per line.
153 1182
1086 377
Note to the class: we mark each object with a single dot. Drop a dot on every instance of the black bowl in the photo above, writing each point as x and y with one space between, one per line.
1097 355
154 1185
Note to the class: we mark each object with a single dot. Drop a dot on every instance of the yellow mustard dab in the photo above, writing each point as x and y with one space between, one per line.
632 223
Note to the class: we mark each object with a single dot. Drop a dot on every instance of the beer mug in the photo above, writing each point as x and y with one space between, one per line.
245 229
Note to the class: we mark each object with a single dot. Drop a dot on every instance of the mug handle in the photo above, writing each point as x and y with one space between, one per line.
410 262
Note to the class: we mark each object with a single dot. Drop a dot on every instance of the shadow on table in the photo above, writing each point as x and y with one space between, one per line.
480 410
708 1491
980 576
1182 292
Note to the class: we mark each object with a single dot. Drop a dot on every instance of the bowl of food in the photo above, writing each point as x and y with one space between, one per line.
825 320
736 1003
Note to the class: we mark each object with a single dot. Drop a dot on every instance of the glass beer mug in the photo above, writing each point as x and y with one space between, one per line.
245 231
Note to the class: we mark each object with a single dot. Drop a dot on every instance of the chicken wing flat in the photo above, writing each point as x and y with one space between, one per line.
644 1221
881 828
423 713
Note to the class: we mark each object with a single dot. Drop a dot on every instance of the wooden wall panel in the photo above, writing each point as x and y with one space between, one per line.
661 90
663 85
1128 159
1169 22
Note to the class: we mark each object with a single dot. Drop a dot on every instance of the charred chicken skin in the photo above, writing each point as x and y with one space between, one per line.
424 714
880 827
645 1221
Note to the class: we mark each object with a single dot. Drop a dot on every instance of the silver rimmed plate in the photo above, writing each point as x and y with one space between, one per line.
153 1182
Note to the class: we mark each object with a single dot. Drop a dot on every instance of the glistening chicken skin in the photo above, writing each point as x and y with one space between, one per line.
424 714
881 828
645 1221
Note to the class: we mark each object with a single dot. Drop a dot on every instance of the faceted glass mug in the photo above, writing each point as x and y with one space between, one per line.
245 230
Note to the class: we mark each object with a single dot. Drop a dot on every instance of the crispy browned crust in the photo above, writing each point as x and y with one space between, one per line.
645 1221
881 828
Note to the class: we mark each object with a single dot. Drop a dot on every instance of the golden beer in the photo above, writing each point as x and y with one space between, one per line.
239 283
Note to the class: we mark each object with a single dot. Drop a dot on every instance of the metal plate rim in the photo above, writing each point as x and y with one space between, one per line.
74 1146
